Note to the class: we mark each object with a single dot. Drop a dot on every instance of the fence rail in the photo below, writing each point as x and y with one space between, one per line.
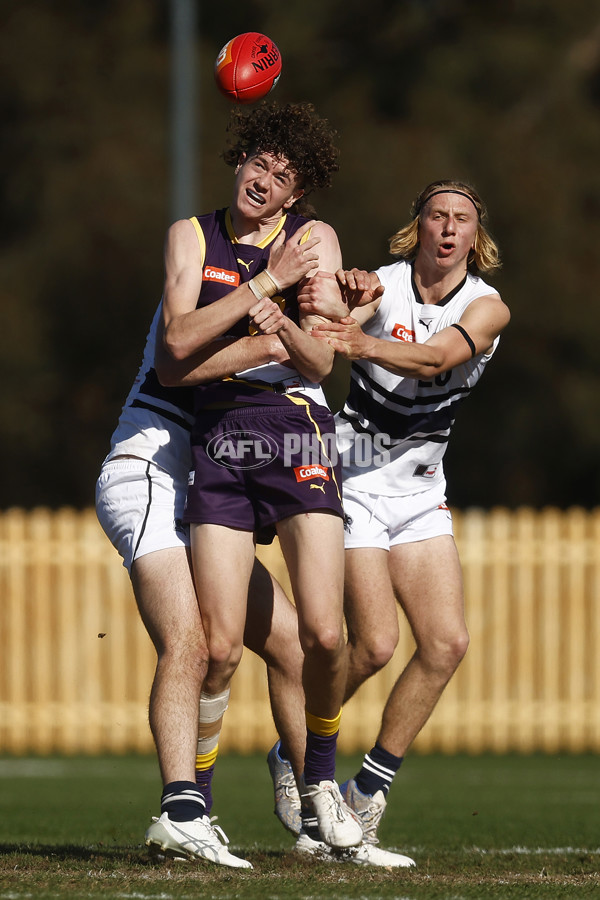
76 663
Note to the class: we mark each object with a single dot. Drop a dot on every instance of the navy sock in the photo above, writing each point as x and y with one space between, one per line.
378 770
310 826
183 801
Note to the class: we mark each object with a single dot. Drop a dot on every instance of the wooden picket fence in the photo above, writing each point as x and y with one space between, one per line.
76 664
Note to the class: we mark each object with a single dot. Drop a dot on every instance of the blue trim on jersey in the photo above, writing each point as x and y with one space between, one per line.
357 426
385 416
397 399
415 431
176 397
165 413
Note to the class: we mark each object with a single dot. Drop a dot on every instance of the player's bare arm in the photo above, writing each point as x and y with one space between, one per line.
321 296
306 355
360 289
478 328
187 329
222 358
350 292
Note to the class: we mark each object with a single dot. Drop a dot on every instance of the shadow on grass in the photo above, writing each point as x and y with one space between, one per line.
99 853
73 852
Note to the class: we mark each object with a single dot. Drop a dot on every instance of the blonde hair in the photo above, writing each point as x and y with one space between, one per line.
484 258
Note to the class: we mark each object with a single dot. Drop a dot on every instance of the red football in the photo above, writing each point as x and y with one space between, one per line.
248 67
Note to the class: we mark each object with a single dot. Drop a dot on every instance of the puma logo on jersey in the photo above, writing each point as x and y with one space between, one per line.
317 487
402 333
426 323
246 264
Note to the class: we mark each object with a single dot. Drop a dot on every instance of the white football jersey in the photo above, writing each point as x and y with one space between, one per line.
156 421
393 431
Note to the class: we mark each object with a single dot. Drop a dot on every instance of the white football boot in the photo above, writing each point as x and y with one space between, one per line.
197 839
338 826
287 798
364 855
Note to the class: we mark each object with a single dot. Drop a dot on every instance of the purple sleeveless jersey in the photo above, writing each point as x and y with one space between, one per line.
271 455
227 265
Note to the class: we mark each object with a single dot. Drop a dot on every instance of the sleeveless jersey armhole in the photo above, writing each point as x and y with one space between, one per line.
201 238
378 318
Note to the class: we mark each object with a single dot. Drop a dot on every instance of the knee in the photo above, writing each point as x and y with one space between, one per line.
186 651
455 648
326 641
371 655
179 641
287 659
444 653
224 656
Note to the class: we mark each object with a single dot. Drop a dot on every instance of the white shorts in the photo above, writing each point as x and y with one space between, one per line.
140 507
373 520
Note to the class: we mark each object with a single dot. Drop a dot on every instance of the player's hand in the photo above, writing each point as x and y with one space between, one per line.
290 261
274 347
321 296
358 287
346 337
267 317
279 353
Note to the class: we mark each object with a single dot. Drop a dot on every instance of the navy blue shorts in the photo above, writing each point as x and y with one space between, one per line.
254 466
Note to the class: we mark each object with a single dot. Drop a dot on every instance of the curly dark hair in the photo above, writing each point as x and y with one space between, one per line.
293 131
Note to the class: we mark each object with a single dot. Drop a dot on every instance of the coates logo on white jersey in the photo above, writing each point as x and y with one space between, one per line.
402 333
224 276
305 473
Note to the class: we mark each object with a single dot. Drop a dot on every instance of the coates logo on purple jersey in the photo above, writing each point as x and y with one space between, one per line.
242 449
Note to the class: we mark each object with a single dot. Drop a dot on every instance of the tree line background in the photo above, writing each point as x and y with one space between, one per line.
504 94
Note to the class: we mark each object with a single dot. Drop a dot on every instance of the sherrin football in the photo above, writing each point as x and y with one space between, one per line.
248 67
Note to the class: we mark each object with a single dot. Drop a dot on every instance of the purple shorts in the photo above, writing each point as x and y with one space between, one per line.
252 467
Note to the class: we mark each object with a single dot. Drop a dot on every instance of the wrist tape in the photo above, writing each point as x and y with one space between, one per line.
263 285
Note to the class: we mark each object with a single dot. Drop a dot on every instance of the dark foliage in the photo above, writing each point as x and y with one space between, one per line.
503 95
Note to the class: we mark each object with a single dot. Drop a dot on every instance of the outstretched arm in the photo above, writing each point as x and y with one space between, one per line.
480 325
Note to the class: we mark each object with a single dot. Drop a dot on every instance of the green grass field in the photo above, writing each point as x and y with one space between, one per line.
478 827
